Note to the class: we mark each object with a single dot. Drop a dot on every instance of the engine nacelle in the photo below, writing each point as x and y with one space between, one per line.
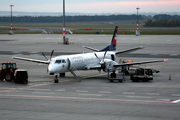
109 65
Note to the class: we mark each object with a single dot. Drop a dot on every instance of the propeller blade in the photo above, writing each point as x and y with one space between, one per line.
104 55
44 55
51 54
97 56
47 69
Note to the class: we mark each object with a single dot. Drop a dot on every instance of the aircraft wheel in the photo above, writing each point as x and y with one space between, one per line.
62 74
111 75
56 79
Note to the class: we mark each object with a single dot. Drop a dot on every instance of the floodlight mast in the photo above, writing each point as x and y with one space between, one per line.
64 29
137 18
11 15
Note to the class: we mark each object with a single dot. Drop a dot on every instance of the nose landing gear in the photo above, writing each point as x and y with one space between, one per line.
56 80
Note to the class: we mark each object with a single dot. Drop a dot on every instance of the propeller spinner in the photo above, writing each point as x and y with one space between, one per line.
48 59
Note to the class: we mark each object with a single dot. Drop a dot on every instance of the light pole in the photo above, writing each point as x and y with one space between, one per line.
64 29
137 18
137 32
11 30
11 15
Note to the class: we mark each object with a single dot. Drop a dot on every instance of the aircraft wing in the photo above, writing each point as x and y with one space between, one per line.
31 60
90 48
137 63
128 51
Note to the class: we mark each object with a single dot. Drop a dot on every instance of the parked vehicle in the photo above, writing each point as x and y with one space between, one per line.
21 76
141 74
7 71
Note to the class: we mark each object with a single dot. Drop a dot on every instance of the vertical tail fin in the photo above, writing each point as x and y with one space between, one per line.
112 46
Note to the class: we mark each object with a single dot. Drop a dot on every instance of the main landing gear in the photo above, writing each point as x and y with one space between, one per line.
56 80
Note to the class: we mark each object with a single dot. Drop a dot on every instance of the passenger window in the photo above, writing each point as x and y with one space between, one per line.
63 61
58 61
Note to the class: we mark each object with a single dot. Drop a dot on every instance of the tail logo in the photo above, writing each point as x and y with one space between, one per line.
112 46
115 36
114 40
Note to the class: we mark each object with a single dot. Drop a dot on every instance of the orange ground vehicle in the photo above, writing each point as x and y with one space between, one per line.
7 71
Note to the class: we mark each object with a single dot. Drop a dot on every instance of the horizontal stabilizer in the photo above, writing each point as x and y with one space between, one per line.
128 51
90 48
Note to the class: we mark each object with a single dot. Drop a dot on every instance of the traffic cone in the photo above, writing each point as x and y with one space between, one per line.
169 77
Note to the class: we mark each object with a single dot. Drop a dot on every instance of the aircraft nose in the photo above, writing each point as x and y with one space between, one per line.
52 69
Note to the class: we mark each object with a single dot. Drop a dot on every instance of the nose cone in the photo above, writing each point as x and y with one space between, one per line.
52 69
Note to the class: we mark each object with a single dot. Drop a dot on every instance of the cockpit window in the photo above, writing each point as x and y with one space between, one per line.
63 61
58 61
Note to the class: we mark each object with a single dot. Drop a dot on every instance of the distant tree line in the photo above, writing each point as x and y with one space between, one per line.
165 16
162 23
86 18
81 18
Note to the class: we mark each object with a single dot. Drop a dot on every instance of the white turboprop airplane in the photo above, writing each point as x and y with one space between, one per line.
100 59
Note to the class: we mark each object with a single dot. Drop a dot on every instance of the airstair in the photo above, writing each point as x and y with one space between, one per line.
75 73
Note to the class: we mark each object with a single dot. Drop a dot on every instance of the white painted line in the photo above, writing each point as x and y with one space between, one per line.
175 94
173 54
139 96
129 93
60 90
104 87
154 54
43 92
38 89
152 93
34 52
176 101
17 52
164 99
81 91
92 99
105 92
90 94
6 88
90 87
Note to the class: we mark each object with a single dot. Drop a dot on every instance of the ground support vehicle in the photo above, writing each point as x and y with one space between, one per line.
7 71
21 76
112 77
141 74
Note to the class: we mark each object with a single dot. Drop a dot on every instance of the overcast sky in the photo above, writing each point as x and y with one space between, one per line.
92 6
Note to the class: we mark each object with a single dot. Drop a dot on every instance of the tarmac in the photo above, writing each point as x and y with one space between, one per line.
95 97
